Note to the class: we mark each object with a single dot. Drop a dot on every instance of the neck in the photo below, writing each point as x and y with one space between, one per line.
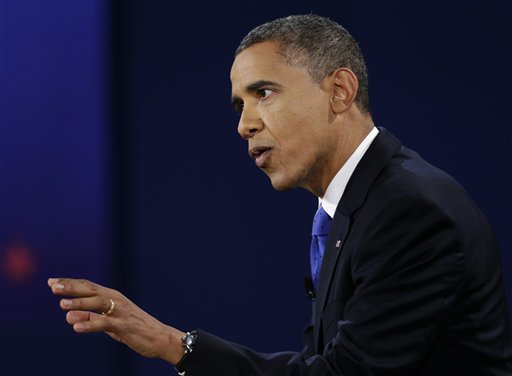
348 139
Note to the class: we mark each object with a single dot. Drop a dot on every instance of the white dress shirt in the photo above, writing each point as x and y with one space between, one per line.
337 186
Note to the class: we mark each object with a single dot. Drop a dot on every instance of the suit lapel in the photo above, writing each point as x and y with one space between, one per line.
372 163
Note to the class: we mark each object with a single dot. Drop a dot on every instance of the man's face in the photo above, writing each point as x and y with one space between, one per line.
284 115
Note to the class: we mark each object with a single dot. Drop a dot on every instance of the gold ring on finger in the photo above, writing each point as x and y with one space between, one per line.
111 308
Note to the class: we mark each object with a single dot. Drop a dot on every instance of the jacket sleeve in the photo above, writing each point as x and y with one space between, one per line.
406 267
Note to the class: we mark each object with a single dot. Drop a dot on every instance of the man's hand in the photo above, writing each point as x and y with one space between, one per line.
90 309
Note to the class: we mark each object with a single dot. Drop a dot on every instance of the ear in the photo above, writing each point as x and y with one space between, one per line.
344 89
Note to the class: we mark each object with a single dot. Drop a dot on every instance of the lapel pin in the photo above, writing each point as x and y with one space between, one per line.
338 243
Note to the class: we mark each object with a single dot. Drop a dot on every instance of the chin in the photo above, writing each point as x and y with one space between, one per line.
281 183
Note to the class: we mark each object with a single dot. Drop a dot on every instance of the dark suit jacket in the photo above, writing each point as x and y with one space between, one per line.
410 284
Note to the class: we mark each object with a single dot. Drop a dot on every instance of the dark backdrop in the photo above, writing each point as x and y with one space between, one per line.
201 238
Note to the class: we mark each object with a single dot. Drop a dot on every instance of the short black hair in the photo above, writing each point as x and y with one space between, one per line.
317 43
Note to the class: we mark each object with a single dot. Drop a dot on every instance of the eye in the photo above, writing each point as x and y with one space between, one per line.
264 93
239 107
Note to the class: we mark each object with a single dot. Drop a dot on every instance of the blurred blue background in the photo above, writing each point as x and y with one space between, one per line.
120 161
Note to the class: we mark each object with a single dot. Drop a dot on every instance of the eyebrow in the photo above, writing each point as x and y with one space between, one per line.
260 84
253 88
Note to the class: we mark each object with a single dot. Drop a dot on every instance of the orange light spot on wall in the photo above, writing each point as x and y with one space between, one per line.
18 263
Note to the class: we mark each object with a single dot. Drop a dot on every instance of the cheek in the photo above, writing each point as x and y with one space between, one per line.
294 126
297 156
291 125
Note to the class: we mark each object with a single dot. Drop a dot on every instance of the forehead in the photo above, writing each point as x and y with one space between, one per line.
263 61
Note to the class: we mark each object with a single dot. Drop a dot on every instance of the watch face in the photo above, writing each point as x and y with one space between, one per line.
189 340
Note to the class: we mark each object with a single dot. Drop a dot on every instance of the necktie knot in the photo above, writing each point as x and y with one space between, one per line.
321 223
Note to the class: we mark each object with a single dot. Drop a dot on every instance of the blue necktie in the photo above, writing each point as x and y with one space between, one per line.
320 233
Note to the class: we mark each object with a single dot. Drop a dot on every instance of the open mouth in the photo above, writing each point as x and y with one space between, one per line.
260 154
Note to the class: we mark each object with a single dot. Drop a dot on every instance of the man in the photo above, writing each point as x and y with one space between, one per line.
405 269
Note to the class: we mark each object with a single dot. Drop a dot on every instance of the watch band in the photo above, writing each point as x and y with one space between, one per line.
188 341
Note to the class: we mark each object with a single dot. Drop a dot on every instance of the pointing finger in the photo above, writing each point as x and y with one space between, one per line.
73 287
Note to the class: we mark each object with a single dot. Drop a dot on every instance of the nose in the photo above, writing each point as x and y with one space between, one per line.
250 123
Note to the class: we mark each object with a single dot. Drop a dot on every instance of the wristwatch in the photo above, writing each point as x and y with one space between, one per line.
188 341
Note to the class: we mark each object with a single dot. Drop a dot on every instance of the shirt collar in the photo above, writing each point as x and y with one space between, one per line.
337 186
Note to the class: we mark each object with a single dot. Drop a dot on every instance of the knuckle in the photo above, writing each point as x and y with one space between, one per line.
86 283
121 296
114 293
